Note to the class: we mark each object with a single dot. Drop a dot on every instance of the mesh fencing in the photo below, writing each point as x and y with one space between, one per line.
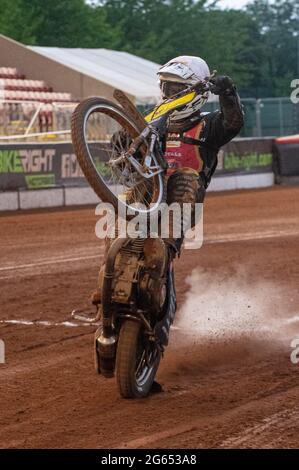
44 121
267 117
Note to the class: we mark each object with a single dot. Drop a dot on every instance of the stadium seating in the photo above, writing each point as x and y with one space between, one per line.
14 86
41 96
9 72
21 99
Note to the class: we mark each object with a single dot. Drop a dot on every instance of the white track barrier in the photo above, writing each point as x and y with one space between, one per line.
74 196
46 198
231 182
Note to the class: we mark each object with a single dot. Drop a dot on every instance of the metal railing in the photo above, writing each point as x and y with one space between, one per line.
27 120
23 120
267 117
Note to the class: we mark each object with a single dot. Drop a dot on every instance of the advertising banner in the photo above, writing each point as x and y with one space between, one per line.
287 155
36 166
39 165
243 156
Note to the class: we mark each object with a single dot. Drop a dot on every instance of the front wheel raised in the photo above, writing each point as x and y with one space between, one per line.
137 361
102 134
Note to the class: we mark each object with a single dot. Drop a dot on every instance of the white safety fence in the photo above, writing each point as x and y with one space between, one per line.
24 120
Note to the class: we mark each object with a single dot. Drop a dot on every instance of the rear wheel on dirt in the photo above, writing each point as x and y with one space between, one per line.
137 361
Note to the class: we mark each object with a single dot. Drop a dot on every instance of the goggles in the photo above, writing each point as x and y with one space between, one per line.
169 89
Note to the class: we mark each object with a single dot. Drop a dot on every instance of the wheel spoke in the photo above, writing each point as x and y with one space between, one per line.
107 140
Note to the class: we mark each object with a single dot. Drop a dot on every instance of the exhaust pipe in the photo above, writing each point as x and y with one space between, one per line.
106 341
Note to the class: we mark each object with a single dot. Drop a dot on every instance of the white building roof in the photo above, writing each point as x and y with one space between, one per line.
122 70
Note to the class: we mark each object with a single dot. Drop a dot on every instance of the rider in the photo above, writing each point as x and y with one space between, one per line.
194 137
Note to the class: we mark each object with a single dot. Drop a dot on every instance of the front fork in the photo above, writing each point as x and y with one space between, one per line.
148 169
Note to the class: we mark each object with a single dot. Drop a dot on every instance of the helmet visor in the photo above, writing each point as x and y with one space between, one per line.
169 89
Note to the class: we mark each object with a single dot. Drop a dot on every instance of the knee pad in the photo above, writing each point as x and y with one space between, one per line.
185 186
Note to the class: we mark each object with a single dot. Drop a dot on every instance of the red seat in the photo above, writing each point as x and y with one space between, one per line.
15 86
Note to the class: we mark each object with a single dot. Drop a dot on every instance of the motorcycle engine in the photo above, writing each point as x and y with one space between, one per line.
140 275
151 291
152 281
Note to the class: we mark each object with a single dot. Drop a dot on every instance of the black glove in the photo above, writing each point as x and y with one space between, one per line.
222 85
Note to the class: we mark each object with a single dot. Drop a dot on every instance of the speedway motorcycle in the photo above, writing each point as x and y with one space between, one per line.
121 154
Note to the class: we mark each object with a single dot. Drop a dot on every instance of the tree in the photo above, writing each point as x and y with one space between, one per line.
258 47
160 29
61 23
66 23
15 21
278 25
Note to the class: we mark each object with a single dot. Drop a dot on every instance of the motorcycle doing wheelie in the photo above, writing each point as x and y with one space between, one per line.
122 157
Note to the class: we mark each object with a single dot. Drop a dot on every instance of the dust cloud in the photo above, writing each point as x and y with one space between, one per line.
234 303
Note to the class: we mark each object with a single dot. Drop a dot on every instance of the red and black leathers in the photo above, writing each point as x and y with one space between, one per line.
195 142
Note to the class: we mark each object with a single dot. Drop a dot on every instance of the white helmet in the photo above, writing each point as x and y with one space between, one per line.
180 72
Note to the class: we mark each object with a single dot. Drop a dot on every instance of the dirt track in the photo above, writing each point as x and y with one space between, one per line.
227 376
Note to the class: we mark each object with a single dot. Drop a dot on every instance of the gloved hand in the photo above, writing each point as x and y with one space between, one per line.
222 85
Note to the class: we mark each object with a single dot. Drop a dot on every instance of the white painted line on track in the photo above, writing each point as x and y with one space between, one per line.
71 324
238 237
48 262
276 422
67 324
292 320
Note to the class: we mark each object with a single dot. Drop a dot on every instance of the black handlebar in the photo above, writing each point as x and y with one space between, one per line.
200 87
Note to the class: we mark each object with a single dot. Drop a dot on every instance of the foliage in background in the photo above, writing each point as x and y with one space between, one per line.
257 46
